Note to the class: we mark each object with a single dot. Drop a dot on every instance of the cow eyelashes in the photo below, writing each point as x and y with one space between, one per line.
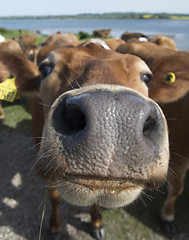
170 78
46 68
146 77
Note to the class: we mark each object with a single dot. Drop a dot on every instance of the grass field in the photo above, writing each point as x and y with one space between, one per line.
40 38
16 33
17 116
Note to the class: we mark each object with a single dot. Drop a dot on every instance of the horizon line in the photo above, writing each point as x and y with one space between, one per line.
104 13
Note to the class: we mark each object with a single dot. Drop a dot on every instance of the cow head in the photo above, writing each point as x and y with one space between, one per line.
171 78
104 140
169 68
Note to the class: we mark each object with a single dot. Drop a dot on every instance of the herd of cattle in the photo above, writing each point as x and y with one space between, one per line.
103 137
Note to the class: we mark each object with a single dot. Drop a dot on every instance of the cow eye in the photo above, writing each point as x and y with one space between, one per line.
46 68
170 78
146 77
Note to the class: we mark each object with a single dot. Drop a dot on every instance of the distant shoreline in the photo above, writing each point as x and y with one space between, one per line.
129 15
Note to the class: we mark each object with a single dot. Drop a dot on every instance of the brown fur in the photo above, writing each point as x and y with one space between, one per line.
55 41
104 33
175 105
26 40
10 45
148 51
161 61
113 43
75 67
44 51
60 38
9 63
164 41
129 35
31 53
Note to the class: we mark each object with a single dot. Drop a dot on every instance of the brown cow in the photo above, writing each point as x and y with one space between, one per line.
170 87
55 41
31 53
26 40
104 33
148 51
164 41
161 40
126 36
59 37
104 140
9 45
45 50
113 43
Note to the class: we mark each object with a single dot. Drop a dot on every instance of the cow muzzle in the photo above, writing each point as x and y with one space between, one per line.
104 144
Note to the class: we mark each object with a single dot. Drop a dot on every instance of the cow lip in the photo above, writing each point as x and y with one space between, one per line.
107 193
88 177
114 185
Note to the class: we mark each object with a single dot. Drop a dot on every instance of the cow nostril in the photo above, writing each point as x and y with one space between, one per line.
74 118
150 125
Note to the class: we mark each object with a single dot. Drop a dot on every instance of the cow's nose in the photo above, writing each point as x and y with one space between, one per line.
75 115
92 112
109 131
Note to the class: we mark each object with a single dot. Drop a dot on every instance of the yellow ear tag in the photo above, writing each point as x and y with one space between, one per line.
8 89
170 78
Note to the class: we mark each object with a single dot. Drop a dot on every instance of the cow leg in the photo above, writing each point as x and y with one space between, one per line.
175 188
54 226
97 224
2 115
37 123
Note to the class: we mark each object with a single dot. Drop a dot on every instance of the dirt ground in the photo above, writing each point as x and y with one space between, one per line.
21 193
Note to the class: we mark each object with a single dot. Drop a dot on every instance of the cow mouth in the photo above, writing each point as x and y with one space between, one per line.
114 185
108 193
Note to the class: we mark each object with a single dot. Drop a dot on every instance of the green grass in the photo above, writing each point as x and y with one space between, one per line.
12 33
40 38
141 220
134 222
16 33
17 116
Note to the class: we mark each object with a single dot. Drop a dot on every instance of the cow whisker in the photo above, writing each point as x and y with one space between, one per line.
172 171
34 146
43 104
68 81
173 119
179 155
42 156
51 161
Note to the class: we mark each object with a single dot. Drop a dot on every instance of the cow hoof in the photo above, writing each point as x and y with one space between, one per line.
168 227
99 233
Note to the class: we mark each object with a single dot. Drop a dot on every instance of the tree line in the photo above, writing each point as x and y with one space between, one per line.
115 15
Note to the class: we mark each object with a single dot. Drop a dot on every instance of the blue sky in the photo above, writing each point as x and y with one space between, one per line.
58 7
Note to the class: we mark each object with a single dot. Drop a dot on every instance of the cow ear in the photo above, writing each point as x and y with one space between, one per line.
27 76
